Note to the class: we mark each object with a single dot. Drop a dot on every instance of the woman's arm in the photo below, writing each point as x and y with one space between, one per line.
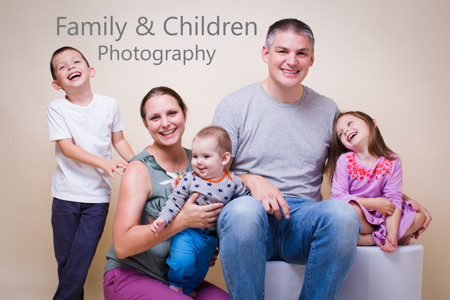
129 237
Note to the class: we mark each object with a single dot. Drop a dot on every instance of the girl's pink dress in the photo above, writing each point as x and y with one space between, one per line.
354 180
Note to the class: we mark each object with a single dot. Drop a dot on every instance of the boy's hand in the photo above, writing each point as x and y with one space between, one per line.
114 166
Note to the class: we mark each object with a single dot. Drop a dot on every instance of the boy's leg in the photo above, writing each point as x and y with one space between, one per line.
323 235
243 230
82 250
65 220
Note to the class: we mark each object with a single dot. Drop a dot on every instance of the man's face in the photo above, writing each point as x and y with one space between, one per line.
288 59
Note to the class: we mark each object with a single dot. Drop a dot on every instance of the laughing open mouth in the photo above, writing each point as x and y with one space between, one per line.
351 136
74 75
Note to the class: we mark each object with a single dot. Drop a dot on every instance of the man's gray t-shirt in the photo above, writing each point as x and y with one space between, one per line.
285 143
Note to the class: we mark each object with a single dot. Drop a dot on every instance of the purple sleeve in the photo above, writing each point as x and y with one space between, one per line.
393 187
340 188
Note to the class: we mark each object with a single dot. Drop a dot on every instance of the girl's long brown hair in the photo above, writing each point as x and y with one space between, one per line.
377 146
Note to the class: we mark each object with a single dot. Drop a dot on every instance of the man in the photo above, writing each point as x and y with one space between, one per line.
281 132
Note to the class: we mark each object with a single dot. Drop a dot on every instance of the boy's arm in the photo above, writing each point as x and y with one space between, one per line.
121 145
70 150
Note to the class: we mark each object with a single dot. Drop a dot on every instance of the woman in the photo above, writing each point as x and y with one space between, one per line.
136 267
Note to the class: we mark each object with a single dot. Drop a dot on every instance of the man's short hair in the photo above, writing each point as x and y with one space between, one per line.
286 25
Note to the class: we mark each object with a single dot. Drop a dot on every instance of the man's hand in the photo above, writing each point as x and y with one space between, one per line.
270 197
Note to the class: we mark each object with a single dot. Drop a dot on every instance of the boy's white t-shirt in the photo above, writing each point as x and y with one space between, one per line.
91 128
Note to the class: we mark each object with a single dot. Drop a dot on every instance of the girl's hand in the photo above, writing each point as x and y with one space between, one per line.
382 205
199 216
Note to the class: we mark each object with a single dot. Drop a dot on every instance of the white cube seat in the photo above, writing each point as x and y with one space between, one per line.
374 274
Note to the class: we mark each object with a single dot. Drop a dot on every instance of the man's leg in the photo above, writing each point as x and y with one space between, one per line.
243 230
324 235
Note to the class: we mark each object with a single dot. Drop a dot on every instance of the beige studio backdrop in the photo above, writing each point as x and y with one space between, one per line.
387 58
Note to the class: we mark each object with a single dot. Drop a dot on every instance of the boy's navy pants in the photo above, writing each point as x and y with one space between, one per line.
77 228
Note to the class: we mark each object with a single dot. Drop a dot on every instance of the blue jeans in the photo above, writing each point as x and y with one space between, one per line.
77 229
321 235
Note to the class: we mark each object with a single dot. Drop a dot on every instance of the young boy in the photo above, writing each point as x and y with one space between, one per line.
192 249
84 125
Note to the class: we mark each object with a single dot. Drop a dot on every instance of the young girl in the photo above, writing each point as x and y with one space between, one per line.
368 175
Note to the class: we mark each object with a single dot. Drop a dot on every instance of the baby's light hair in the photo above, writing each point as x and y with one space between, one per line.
219 134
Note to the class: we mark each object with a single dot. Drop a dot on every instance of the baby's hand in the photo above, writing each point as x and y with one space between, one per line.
114 166
390 244
158 225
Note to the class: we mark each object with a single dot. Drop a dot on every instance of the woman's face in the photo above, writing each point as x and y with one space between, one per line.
164 119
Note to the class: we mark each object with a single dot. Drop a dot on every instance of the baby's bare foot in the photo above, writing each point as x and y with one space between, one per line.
176 288
193 294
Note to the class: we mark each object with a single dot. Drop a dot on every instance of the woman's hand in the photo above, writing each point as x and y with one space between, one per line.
198 216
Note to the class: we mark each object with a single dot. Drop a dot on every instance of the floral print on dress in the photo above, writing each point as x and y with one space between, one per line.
359 172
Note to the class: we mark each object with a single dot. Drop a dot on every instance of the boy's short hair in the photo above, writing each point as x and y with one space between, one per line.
62 49
289 25
219 134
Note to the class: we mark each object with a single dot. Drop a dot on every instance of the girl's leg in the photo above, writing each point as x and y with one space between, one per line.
366 226
366 240
419 219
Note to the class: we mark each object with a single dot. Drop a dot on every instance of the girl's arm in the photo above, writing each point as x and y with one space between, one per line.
382 205
121 145
73 151
129 236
